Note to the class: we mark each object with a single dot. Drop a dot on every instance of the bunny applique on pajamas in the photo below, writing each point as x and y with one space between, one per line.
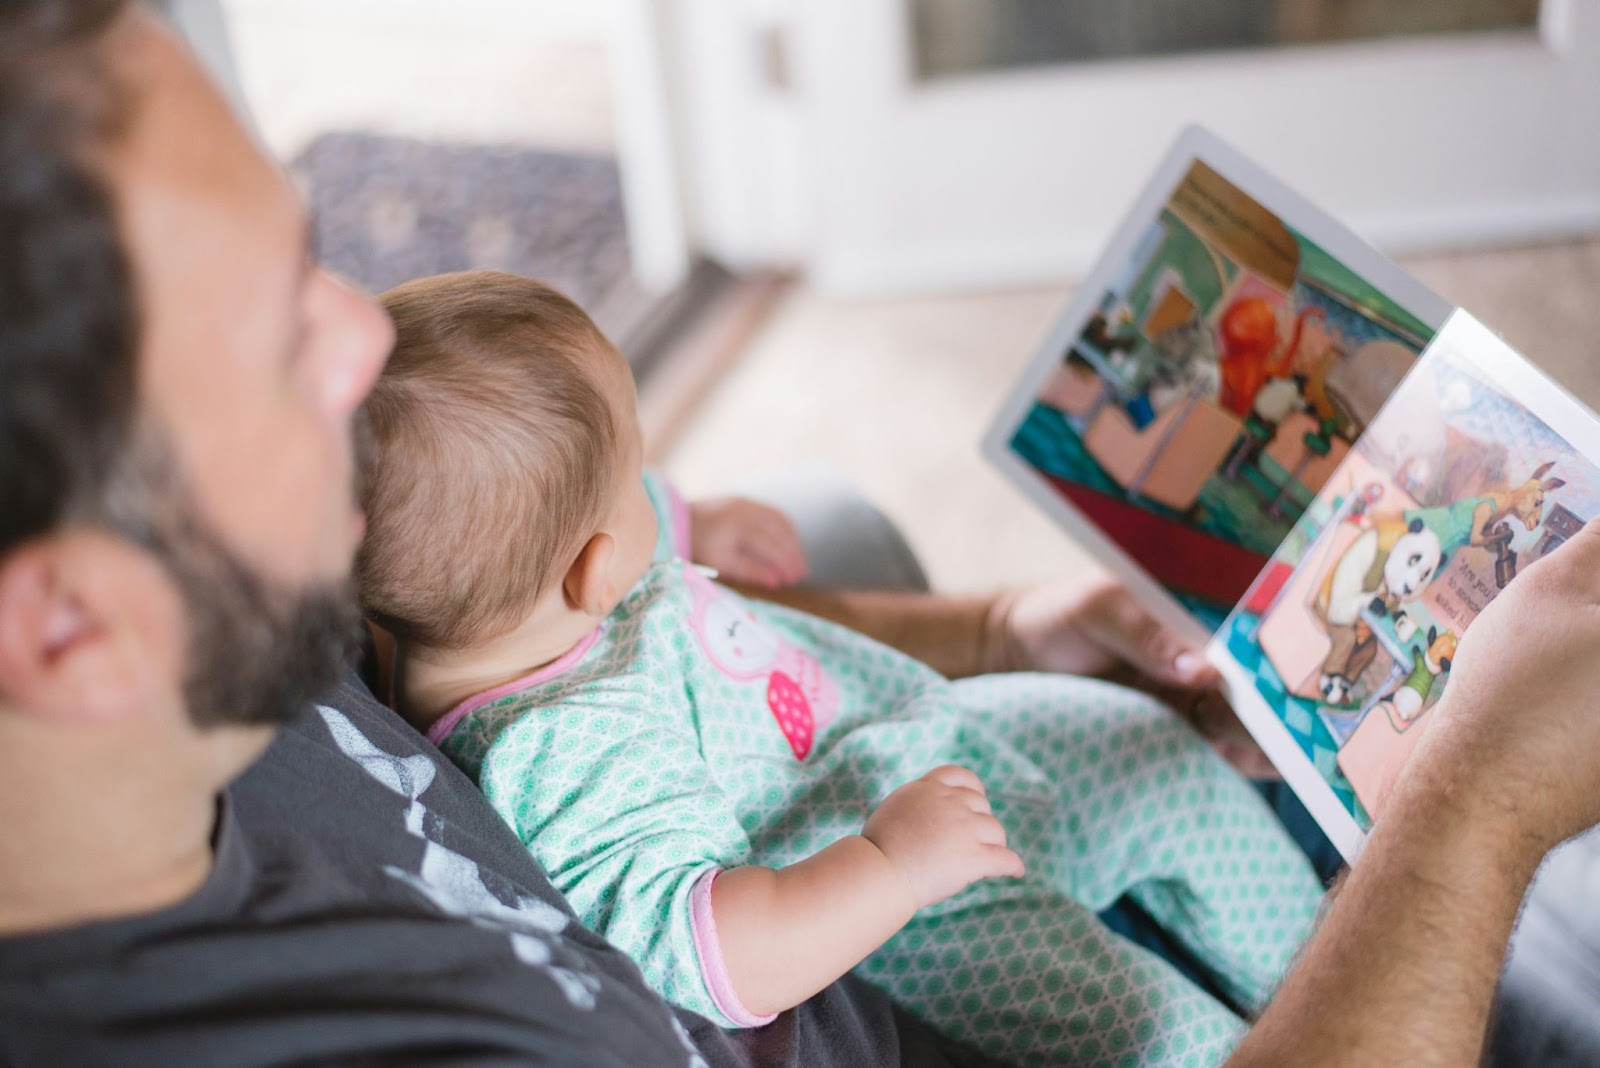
695 732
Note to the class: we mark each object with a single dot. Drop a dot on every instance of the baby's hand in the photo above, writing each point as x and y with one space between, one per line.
746 542
941 833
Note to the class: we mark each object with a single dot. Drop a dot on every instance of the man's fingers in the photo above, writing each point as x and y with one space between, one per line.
1580 556
1212 715
1128 630
1190 668
1247 759
1216 721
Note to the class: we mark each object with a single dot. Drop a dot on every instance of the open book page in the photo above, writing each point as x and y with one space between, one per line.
1208 378
1477 467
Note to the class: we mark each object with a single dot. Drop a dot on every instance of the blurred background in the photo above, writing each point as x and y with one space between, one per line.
836 229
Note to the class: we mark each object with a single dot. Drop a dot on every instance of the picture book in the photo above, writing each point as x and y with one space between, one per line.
1298 456
1477 467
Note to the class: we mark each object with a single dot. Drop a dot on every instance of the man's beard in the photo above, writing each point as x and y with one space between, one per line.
258 650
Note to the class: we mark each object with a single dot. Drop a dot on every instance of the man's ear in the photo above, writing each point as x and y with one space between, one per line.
91 629
587 585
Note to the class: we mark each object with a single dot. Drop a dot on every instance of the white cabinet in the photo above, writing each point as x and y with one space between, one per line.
810 139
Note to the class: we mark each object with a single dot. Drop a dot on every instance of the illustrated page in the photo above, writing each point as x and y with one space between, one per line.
1212 376
1477 468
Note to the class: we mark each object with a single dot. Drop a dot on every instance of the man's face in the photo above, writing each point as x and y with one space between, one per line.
252 362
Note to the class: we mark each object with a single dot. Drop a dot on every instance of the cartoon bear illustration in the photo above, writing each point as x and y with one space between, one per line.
1391 562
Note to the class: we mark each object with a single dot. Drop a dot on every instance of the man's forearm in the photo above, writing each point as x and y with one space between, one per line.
1403 968
954 635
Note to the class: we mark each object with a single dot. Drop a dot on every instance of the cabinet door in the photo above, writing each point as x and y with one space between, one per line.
941 151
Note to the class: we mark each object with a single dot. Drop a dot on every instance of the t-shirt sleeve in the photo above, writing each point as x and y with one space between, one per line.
621 809
672 516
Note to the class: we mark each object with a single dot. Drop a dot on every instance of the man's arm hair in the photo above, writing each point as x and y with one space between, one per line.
1403 968
955 635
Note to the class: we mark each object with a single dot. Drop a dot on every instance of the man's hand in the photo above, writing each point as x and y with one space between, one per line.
1079 628
940 832
1508 766
1519 724
746 542
1099 629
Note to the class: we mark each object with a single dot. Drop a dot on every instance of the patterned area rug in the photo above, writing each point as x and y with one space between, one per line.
390 209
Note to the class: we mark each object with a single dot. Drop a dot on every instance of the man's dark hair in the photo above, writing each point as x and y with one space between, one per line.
68 313
73 447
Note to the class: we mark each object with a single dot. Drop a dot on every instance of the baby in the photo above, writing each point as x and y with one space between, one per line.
740 795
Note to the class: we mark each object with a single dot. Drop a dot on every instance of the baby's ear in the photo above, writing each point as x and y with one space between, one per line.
587 586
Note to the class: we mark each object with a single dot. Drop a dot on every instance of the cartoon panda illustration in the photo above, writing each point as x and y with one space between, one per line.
1390 563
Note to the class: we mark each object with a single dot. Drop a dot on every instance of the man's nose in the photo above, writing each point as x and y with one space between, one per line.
359 338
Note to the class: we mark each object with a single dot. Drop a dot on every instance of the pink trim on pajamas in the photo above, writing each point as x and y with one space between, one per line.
441 730
712 966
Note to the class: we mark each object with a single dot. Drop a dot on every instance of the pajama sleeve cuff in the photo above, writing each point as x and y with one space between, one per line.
713 969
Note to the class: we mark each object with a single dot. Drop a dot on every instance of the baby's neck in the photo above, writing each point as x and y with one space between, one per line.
429 682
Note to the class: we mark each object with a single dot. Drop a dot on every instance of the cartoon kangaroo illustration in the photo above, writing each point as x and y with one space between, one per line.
1486 520
1406 702
1391 562
1524 503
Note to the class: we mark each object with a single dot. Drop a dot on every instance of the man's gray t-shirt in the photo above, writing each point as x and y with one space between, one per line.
367 905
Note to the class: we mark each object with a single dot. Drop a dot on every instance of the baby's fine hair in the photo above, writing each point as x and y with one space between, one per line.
492 455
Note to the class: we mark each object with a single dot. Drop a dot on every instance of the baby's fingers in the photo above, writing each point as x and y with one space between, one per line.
767 533
999 861
989 831
783 545
771 561
957 776
752 565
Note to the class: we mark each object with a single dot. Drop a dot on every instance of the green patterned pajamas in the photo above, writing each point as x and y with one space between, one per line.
695 732
1140 806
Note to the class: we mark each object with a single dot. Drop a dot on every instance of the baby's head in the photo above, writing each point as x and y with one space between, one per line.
503 489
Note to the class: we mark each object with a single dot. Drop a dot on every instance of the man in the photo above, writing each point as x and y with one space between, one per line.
176 385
